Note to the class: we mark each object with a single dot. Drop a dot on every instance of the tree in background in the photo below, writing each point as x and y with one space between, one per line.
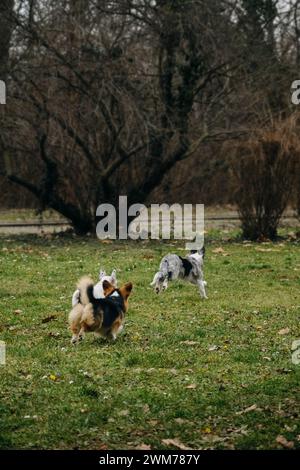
109 92
265 168
6 9
108 97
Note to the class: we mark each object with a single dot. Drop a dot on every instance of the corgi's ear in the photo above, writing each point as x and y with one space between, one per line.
126 290
107 287
106 284
113 276
128 286
102 273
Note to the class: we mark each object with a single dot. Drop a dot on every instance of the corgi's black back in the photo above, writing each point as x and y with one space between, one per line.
110 307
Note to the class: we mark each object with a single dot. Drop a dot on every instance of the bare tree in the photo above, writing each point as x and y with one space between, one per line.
109 96
6 9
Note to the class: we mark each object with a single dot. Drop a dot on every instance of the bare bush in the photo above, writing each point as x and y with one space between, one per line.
265 170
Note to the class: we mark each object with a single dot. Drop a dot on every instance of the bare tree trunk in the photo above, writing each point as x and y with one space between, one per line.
6 9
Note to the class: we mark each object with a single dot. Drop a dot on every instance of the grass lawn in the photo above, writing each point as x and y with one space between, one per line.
209 374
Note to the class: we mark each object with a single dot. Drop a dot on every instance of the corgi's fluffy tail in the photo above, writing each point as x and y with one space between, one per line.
86 288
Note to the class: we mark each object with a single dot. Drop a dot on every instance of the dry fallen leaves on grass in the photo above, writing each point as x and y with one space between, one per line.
146 408
248 410
284 331
284 442
103 447
220 251
207 430
143 447
181 421
176 443
191 386
53 377
189 343
266 250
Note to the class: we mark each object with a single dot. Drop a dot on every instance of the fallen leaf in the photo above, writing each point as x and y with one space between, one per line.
248 410
18 312
242 430
266 250
284 442
153 422
176 443
213 348
123 413
218 250
180 421
284 331
207 430
192 386
103 447
213 438
143 447
295 345
189 343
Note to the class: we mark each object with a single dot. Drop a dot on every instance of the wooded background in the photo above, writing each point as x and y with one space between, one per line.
161 100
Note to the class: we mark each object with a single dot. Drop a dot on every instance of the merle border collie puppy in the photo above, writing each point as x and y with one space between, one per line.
174 267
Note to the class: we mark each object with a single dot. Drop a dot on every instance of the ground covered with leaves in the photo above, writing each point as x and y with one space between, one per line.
185 373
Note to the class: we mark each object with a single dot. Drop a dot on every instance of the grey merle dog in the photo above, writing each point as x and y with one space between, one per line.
174 267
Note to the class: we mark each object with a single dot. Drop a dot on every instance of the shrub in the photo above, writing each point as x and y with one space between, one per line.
265 173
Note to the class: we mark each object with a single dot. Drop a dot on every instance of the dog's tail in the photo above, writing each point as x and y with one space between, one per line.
165 268
201 252
86 288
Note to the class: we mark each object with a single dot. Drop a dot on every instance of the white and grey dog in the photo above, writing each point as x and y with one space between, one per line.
174 267
98 288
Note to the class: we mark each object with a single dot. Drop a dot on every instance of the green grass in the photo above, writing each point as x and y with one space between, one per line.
25 215
183 368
